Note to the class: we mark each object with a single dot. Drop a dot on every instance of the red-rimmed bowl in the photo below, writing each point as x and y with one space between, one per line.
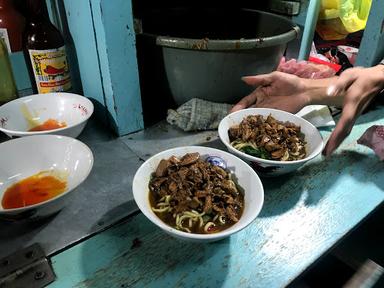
21 115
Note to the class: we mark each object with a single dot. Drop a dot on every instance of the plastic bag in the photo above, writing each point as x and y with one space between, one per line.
306 69
338 18
373 138
354 14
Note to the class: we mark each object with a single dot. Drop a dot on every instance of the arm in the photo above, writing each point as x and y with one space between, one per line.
316 89
285 92
356 88
353 91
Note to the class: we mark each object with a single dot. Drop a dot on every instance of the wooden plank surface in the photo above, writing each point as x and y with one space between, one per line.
304 215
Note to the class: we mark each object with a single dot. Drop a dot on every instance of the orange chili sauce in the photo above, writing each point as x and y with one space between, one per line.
32 190
50 124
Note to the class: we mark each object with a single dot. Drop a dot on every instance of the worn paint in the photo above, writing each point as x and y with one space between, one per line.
79 18
309 29
304 215
106 54
371 50
120 64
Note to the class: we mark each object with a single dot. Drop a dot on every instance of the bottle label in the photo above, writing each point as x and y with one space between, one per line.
4 36
51 70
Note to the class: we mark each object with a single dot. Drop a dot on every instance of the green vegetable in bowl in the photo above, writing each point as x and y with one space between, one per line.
256 152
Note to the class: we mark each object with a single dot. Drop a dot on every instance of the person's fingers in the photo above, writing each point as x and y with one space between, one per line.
285 103
342 129
246 102
258 80
345 80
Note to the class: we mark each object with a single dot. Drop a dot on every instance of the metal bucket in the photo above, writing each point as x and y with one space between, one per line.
205 52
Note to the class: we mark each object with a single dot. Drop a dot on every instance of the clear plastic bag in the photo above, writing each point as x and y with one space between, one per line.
306 69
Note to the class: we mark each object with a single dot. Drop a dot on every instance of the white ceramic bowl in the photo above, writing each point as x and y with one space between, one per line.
247 179
265 167
26 156
20 115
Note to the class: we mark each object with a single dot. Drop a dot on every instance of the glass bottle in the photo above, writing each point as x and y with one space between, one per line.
8 90
12 25
45 51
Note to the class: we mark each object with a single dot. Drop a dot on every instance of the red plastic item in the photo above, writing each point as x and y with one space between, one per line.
334 66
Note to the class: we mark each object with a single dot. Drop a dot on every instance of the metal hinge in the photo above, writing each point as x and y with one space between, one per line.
26 268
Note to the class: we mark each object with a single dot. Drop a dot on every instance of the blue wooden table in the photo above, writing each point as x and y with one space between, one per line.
305 214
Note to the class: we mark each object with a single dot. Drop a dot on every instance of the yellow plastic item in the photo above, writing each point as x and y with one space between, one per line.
332 29
329 9
343 17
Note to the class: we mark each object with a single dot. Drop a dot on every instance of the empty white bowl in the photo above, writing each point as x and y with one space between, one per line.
23 157
246 179
265 167
22 114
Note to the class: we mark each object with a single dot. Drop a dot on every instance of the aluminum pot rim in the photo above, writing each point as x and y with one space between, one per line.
230 44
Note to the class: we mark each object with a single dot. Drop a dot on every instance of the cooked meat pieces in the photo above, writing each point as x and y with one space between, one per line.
195 184
162 168
208 204
231 213
189 158
281 140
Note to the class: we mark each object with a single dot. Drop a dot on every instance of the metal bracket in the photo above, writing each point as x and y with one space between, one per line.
285 7
26 268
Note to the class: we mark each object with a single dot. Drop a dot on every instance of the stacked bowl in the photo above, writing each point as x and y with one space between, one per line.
39 172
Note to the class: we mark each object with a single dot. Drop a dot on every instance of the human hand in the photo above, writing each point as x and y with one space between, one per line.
275 90
357 87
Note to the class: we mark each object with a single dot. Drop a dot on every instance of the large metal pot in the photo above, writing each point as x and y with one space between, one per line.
205 52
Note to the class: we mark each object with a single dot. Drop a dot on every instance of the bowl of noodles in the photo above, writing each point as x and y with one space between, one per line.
272 142
198 193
